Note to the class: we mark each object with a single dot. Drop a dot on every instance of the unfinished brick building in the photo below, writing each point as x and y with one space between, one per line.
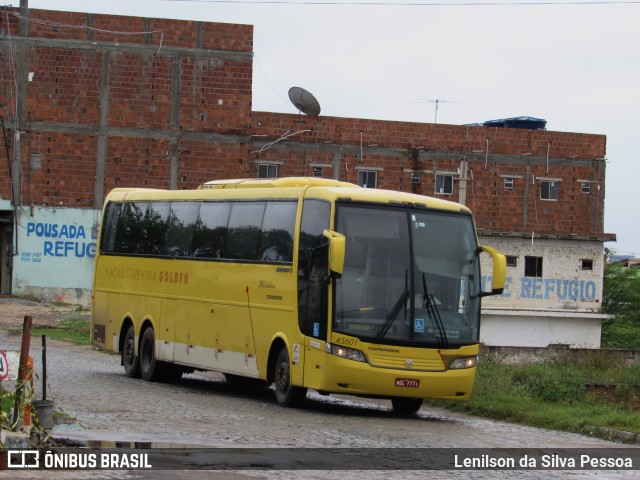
91 102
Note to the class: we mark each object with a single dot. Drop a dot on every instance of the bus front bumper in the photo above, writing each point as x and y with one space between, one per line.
360 378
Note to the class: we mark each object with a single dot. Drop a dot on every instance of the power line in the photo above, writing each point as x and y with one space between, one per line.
414 4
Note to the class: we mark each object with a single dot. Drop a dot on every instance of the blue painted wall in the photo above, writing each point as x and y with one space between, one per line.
56 248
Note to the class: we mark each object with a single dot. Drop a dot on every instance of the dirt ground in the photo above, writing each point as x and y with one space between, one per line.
13 310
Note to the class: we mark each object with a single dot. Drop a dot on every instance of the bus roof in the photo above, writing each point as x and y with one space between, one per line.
283 182
288 187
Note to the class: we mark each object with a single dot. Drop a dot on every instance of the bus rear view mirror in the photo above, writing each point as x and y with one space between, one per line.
337 246
499 271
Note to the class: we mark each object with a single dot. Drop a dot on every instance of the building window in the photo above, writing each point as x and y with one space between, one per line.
267 170
368 178
549 190
317 172
533 266
586 187
512 261
586 264
444 184
508 183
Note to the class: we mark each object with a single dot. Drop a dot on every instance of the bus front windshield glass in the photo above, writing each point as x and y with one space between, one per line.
411 276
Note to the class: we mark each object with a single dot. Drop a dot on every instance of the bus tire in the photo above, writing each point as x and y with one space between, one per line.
406 406
286 394
149 370
129 360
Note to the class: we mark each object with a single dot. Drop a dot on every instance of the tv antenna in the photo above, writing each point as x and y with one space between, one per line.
436 102
304 101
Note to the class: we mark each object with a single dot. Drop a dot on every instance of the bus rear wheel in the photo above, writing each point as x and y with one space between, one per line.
148 364
406 406
287 394
129 359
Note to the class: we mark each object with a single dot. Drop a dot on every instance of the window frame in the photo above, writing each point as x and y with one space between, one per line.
271 170
446 180
508 183
550 190
363 182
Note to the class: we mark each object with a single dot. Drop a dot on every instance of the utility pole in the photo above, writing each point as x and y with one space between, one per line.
16 164
24 14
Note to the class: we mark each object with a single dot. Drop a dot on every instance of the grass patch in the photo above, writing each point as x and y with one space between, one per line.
621 334
74 330
553 393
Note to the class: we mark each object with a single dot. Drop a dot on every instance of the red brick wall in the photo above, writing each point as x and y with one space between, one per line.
521 153
148 120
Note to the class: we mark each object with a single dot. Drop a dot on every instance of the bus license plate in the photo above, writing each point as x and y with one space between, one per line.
407 382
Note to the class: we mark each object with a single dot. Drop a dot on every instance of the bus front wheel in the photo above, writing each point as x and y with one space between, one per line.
287 394
406 406
147 357
129 359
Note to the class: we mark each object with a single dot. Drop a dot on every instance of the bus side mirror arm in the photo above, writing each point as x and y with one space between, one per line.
337 248
499 275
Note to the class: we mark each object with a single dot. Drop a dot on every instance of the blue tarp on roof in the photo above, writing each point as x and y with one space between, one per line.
528 123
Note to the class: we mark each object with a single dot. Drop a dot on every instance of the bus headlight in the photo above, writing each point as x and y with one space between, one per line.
344 352
464 362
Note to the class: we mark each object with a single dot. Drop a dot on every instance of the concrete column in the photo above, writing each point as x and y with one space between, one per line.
101 152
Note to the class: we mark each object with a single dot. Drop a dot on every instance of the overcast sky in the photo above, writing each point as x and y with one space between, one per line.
577 66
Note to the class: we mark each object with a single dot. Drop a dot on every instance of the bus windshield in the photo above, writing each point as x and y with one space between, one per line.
411 277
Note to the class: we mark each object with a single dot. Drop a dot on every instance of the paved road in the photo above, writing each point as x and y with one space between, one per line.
203 410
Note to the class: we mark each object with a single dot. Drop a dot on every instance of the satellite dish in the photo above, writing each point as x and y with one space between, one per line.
304 101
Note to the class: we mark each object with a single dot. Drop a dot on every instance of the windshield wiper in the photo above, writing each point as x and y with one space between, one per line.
433 312
393 314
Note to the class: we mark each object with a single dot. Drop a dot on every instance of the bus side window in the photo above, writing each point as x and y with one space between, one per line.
180 227
210 233
276 236
243 231
312 269
110 230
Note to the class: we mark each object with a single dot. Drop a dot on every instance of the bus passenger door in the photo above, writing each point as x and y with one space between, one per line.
313 311
165 338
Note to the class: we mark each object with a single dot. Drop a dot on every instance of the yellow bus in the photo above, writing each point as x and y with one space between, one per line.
304 283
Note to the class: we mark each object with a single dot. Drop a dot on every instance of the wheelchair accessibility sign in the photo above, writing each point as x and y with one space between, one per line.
418 325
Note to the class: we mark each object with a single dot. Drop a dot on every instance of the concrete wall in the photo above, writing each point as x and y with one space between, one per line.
559 307
534 328
55 253
563 284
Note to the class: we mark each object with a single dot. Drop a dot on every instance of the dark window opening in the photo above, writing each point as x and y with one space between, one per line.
586 264
533 266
